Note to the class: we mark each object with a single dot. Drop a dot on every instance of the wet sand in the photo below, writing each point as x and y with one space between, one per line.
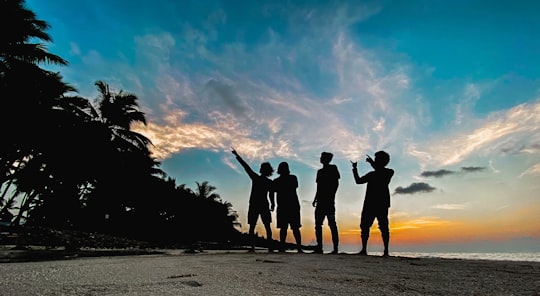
241 273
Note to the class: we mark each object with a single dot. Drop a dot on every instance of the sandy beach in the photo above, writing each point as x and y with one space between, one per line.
241 273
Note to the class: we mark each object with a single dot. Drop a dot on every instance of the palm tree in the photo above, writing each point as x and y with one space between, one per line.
206 191
20 75
118 111
18 26
126 167
213 218
27 92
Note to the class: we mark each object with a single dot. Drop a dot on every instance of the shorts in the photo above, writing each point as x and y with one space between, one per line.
255 211
287 217
321 213
369 214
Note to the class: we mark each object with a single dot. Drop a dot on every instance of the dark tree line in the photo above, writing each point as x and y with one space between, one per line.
69 162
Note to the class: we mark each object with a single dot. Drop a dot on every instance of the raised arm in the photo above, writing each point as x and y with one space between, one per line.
371 161
357 178
244 164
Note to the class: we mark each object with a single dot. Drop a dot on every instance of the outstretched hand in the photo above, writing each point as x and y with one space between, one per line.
354 164
369 159
234 151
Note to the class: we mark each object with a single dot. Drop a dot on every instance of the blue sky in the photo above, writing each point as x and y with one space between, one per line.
451 89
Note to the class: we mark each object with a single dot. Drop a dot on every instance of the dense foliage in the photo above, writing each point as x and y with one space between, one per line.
69 162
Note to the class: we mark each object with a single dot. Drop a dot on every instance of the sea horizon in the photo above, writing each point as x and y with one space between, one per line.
498 256
532 256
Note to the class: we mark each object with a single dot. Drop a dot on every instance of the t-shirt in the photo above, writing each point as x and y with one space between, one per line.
327 185
285 187
377 192
260 186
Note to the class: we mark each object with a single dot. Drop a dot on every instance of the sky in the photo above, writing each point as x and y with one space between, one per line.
450 89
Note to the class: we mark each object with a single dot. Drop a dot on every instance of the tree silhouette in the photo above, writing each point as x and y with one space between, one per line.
28 92
68 162
19 26
206 191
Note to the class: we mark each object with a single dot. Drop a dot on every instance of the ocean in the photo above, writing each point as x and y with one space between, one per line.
502 256
521 256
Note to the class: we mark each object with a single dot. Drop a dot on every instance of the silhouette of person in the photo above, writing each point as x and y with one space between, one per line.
377 198
258 199
324 201
288 205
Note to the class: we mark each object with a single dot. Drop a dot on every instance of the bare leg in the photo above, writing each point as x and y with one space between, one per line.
269 237
283 238
386 240
318 235
364 244
298 238
366 221
252 237
335 234
385 231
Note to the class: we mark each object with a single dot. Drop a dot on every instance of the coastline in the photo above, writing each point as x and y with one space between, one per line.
237 272
39 253
495 256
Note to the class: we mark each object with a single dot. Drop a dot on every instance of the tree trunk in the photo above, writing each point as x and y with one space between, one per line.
25 206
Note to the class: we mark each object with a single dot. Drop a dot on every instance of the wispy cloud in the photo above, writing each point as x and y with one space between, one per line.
470 96
531 171
170 139
449 206
520 123
419 222
255 100
493 168
224 106
530 149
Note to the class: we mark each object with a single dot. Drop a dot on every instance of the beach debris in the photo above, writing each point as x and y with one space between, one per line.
268 261
181 276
